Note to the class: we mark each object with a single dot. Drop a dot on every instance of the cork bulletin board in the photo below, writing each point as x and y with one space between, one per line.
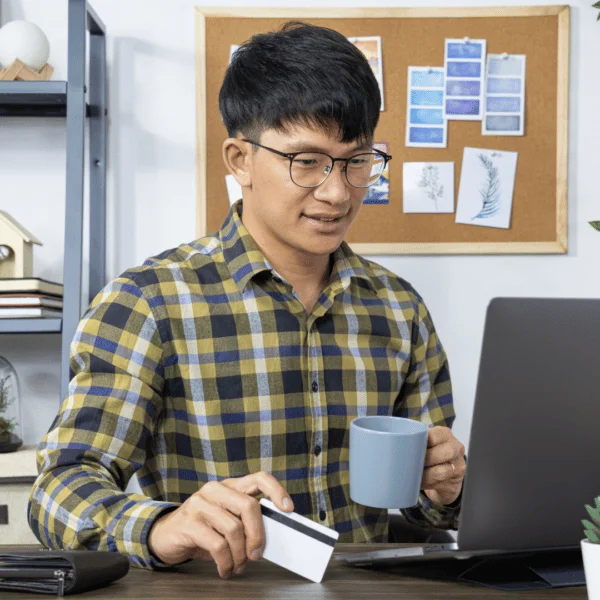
416 37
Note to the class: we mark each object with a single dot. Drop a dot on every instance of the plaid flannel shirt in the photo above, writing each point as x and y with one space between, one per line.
202 364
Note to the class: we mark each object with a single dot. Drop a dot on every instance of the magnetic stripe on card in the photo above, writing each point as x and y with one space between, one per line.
284 520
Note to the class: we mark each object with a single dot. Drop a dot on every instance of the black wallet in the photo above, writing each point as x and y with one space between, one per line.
60 572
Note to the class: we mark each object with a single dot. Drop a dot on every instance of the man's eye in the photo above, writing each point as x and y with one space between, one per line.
358 162
305 162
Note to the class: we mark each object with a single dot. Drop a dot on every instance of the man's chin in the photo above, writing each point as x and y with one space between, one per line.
320 247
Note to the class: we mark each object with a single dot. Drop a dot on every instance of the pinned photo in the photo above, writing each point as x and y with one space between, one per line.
428 187
370 46
504 106
464 64
426 126
379 193
487 181
232 50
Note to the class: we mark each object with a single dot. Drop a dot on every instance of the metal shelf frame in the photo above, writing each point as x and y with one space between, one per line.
33 98
26 325
60 98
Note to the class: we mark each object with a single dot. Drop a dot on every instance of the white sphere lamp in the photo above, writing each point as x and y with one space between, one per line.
24 41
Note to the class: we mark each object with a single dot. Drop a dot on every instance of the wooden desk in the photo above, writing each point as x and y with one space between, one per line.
199 579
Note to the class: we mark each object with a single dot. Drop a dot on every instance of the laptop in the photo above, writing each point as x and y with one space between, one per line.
533 457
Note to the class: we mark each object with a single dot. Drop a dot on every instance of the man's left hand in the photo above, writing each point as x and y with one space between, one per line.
445 466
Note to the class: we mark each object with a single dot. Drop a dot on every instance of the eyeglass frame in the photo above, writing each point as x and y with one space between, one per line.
292 155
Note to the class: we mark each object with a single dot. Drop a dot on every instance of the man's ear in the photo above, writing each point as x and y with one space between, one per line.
237 158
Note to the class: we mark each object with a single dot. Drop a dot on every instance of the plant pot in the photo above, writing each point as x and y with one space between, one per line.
9 442
591 564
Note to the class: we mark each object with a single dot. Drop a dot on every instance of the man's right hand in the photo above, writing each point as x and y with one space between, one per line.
222 521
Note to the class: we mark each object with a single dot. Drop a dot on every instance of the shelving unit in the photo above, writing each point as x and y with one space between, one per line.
68 99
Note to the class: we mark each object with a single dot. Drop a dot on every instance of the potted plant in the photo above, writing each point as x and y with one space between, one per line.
590 548
9 441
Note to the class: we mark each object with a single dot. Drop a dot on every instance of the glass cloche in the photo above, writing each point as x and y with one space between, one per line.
11 424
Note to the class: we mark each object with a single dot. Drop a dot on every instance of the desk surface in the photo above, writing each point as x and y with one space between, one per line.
262 579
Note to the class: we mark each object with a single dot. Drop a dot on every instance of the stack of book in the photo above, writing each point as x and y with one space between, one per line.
31 297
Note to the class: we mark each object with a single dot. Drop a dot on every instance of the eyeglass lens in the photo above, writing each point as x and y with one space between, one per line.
310 169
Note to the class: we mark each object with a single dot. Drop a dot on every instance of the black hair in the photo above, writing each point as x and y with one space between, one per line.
302 74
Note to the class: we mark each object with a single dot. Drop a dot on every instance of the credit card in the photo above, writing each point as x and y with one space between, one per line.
296 543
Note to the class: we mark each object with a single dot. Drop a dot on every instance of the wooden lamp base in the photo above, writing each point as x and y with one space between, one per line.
19 71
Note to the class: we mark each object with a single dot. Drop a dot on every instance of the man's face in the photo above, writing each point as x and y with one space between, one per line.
294 215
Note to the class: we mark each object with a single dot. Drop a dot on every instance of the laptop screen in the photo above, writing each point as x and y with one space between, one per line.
533 459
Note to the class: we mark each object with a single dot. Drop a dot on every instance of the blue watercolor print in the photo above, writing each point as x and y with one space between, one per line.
503 85
464 50
424 79
426 116
462 107
503 123
427 97
511 65
464 69
463 88
503 104
426 135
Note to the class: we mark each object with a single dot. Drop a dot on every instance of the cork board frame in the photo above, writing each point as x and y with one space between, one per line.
539 215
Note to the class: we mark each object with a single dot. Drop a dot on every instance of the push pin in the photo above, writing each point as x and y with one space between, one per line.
466 40
505 55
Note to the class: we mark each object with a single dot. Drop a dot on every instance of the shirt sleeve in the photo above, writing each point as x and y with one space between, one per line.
426 395
99 437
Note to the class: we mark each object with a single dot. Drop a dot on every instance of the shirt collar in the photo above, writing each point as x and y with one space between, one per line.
346 263
245 259
242 255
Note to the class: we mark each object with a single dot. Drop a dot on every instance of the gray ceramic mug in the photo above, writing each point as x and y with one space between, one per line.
387 457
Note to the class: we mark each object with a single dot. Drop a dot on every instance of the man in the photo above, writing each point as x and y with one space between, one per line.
232 366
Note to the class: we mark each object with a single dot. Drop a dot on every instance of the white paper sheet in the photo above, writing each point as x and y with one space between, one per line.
464 71
428 187
426 126
234 189
485 194
504 106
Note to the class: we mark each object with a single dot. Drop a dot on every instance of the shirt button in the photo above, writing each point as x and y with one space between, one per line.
322 515
315 386
317 450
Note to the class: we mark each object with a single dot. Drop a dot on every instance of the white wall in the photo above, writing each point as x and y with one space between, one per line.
151 191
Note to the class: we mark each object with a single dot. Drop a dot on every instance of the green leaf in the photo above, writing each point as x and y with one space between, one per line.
594 514
592 536
598 502
595 539
596 5
596 224
588 524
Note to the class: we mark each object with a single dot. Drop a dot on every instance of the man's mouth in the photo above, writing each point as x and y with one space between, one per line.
325 219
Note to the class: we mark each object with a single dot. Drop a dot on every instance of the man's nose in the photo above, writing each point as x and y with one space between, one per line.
334 188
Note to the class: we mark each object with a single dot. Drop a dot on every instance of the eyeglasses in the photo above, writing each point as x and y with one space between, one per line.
311 169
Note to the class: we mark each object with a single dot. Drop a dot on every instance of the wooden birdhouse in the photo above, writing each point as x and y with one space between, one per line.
16 248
